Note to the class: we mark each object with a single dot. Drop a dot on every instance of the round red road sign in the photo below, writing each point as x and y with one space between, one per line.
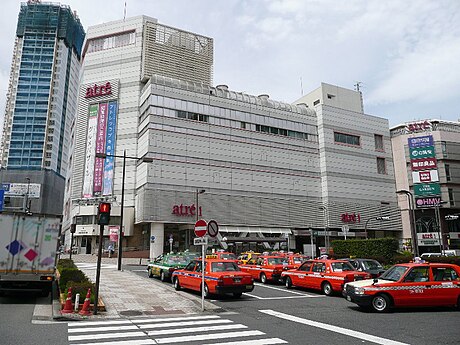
201 227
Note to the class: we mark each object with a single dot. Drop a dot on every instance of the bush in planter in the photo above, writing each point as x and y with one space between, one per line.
382 248
65 263
82 289
444 259
70 274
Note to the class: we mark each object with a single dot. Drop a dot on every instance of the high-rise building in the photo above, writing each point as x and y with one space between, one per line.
42 100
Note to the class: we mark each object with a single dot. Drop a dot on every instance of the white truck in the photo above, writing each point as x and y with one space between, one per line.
28 246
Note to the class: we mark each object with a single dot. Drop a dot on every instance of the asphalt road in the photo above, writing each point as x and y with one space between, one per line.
303 317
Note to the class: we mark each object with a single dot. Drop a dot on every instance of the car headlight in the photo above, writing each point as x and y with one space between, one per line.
359 290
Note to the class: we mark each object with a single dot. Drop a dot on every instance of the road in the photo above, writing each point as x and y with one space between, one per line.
301 316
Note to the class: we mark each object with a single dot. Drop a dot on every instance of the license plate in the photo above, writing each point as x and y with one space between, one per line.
248 286
348 298
237 280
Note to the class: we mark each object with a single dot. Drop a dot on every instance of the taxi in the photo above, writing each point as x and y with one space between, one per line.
326 275
221 277
295 260
222 255
243 258
165 265
408 285
266 267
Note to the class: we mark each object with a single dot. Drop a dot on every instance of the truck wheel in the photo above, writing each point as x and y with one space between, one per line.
381 303
176 283
288 282
326 287
162 276
263 278
150 273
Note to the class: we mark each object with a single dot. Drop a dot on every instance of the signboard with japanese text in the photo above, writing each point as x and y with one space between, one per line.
423 164
425 176
424 189
422 152
422 141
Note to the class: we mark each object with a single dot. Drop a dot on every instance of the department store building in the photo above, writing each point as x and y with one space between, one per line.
271 174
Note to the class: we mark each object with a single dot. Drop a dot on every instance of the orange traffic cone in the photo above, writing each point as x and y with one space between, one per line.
85 309
68 308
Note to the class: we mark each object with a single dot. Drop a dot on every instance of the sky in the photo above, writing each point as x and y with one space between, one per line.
405 54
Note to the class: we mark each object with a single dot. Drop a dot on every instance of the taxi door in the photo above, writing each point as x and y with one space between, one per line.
315 279
195 278
445 284
299 278
415 289
186 280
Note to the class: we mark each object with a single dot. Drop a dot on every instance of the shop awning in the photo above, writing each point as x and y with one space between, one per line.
253 230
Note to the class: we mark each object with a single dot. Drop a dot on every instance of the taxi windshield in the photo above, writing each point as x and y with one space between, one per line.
277 261
372 265
228 256
224 266
299 259
341 266
176 260
394 273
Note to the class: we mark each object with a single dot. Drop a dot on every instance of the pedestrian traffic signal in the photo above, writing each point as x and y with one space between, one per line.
103 213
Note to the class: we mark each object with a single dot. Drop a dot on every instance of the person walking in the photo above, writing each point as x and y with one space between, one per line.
110 249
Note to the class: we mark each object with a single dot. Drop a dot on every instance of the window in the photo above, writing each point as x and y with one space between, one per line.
378 142
444 274
316 102
319 267
444 148
381 165
417 274
451 196
347 139
243 125
329 96
447 167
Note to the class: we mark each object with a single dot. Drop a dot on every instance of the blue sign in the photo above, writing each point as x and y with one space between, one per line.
415 142
2 199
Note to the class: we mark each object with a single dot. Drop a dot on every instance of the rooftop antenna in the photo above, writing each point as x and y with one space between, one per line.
301 87
124 12
357 88
358 85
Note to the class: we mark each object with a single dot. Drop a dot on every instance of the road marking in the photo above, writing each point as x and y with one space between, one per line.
195 329
123 342
97 329
207 337
332 328
183 323
268 341
182 318
105 335
285 290
97 323
287 297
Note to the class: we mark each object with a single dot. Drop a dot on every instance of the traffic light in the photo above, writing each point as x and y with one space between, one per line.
103 213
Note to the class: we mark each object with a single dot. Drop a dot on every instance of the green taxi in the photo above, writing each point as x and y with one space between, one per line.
165 265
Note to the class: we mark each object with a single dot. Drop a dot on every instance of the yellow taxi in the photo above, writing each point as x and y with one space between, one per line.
246 256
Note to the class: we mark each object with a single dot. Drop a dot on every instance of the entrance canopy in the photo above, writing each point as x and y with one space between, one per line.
253 230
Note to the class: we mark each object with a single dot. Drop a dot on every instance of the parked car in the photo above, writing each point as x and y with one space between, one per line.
295 260
367 265
408 285
221 277
265 268
326 275
222 255
243 258
164 266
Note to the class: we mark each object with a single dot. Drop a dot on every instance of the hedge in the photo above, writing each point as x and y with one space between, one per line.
381 249
70 274
444 259
82 289
65 263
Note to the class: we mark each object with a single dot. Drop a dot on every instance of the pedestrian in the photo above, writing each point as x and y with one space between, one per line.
110 249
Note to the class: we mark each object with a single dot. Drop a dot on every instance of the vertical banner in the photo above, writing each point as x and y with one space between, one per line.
110 149
90 149
100 146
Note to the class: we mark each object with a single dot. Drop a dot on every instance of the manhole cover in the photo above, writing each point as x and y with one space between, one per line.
131 313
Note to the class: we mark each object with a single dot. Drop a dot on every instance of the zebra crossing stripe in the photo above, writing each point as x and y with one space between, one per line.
105 335
123 342
183 323
268 341
204 317
196 329
200 337
97 329
98 323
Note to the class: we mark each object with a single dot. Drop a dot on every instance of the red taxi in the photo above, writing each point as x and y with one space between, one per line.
221 277
265 267
326 275
222 256
295 260
408 285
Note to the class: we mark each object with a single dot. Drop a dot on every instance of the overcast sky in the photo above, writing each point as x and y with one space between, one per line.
405 53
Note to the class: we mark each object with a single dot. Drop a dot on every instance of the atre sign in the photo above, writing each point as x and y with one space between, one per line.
98 90
185 210
428 239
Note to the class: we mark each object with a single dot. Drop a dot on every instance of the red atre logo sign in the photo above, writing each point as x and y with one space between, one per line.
99 90
185 210
350 217
418 126
427 236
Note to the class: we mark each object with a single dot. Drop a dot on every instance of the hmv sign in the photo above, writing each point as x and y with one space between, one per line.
433 201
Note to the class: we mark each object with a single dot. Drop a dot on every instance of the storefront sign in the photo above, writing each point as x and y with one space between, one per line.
416 142
428 239
98 90
423 152
185 210
427 189
113 232
425 176
418 126
350 217
428 202
423 164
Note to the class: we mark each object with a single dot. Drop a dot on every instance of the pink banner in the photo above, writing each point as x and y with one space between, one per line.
100 147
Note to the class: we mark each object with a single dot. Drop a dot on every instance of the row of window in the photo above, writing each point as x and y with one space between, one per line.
121 40
355 140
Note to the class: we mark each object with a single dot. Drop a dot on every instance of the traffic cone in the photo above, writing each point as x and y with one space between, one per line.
68 308
85 309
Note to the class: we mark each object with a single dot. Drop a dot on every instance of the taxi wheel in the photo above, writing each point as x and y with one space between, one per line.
150 273
458 303
263 278
237 294
326 287
206 291
381 303
176 283
162 276
288 282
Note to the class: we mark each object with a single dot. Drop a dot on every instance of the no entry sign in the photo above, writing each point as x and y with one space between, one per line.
201 227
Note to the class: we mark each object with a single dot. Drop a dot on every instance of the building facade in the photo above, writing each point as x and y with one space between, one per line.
427 160
41 100
271 174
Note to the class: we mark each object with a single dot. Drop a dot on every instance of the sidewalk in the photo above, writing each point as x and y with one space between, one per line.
126 294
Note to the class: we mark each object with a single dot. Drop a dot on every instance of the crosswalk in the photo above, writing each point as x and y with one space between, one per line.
192 329
93 266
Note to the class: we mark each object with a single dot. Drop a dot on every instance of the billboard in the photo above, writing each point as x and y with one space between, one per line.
423 164
110 149
422 152
423 141
424 189
90 149
425 176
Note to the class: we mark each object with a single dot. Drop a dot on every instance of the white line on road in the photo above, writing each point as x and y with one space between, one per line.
123 342
105 335
289 291
287 297
97 323
181 318
195 329
207 337
268 341
345 331
183 323
98 329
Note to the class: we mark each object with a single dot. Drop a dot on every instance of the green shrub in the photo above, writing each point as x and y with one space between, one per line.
402 258
444 259
65 263
70 274
381 249
82 289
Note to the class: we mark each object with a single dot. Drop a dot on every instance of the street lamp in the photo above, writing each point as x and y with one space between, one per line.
413 229
375 218
120 233
198 191
326 227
